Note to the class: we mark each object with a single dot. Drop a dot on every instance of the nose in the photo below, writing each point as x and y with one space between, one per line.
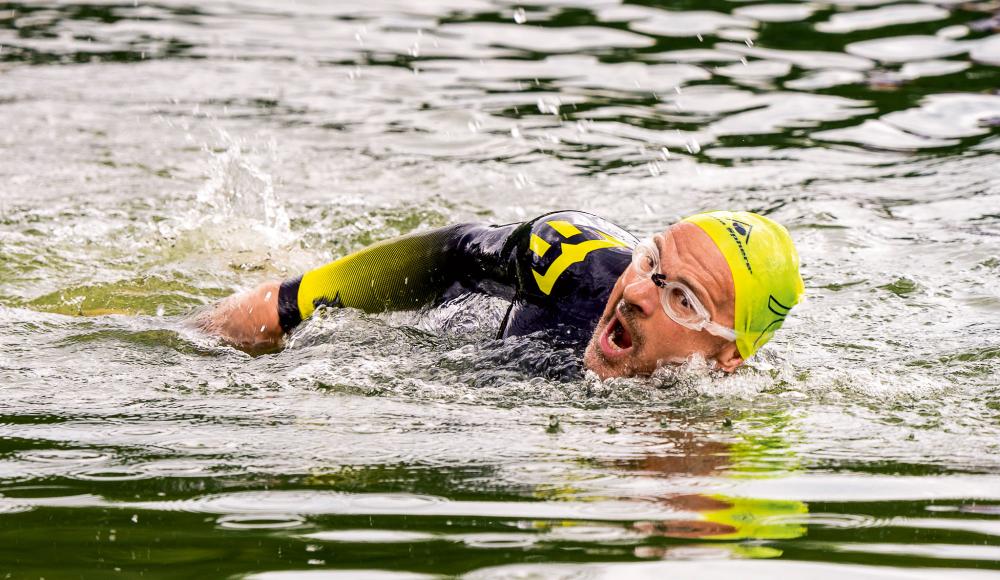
642 295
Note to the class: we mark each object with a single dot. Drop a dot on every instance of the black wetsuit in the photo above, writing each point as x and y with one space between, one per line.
557 270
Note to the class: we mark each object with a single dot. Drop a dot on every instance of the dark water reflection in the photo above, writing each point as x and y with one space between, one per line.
159 156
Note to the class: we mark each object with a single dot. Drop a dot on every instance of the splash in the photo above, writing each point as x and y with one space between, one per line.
239 198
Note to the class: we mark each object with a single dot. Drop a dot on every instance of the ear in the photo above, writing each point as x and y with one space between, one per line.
728 359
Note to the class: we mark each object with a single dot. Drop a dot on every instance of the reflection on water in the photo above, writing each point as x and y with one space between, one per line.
159 156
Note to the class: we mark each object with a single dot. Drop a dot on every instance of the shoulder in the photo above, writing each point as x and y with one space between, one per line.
574 227
561 243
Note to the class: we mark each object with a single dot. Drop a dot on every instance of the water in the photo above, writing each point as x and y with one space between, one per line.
156 157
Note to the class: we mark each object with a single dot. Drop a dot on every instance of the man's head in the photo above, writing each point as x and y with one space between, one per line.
741 267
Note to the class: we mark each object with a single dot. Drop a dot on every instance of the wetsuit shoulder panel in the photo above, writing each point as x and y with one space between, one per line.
559 245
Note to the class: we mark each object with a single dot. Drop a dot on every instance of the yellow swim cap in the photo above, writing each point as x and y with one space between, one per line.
765 268
758 519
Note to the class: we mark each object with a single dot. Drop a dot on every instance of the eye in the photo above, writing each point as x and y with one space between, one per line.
643 260
681 304
680 298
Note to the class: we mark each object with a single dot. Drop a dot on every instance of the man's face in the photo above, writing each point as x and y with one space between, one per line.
634 334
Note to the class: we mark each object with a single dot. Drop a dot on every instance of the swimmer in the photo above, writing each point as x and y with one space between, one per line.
716 284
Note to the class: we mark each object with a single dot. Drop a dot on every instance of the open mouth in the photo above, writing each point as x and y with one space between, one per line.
616 341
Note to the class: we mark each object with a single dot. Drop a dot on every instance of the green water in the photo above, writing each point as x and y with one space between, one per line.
156 157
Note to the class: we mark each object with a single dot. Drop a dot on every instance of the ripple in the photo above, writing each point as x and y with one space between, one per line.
178 468
931 68
12 507
499 541
948 116
776 12
372 536
591 533
266 502
804 59
757 69
825 79
788 110
671 23
887 16
831 520
306 503
547 40
906 48
987 509
258 521
395 503
881 135
112 474
64 456
620 510
987 51
339 575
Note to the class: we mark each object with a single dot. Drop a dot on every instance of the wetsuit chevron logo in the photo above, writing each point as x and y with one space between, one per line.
569 253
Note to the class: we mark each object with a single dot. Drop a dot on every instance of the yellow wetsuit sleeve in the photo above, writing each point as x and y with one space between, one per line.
402 273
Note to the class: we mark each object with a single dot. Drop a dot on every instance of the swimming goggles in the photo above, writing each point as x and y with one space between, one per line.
678 300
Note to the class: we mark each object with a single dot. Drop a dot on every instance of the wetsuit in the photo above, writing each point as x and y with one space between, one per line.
557 271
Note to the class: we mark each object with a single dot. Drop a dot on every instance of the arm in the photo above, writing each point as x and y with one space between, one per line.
399 274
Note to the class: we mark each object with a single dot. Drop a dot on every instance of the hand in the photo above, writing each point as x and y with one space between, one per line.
248 320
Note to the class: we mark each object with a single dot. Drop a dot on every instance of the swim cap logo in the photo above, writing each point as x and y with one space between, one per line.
779 310
569 253
740 232
743 229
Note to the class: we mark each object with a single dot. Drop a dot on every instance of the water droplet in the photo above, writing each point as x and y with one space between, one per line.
135 518
267 296
160 310
700 39
519 16
549 105
654 168
693 146
415 50
749 41
664 153
515 132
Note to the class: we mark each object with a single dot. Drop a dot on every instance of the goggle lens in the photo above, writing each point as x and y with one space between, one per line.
682 305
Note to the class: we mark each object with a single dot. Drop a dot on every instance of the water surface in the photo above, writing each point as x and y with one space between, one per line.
158 156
